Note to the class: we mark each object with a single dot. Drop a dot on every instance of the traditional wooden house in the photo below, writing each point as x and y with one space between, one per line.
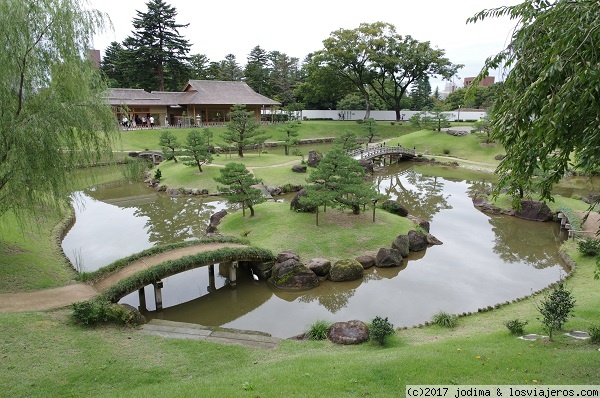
202 102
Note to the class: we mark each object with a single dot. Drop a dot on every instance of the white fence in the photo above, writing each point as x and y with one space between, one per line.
381 115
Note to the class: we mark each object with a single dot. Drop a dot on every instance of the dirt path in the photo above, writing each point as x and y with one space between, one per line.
591 225
63 296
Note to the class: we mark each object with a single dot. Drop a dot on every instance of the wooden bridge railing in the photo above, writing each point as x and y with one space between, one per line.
381 150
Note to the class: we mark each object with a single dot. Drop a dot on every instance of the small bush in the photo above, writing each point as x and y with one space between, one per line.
157 174
379 329
556 308
393 123
90 312
360 121
318 330
589 246
446 151
516 326
595 334
444 319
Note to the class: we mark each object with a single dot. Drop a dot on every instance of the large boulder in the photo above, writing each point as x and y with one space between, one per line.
388 258
299 207
420 222
534 210
346 270
366 261
432 240
292 274
288 254
402 245
367 164
299 168
417 241
314 157
215 220
351 332
320 266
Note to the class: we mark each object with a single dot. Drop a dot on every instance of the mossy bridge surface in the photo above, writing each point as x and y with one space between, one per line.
135 275
382 151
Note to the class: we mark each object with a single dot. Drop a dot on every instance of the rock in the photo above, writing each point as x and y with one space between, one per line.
215 220
292 274
457 133
287 255
135 316
314 157
366 261
402 245
534 210
432 240
320 266
395 208
420 222
351 332
346 270
187 191
367 164
591 198
499 157
297 206
195 191
417 241
173 192
299 168
263 270
388 258
204 192
274 191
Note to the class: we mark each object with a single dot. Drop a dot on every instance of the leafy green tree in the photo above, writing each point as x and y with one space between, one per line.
347 141
197 147
53 113
291 135
242 130
548 107
556 308
339 180
159 47
169 144
420 95
371 129
237 186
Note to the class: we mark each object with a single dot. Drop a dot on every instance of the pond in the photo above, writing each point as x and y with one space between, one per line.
484 259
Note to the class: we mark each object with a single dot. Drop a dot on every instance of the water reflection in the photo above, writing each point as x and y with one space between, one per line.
484 259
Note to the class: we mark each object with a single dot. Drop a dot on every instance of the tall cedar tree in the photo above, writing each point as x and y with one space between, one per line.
242 130
340 181
197 148
237 186
160 49
53 113
547 111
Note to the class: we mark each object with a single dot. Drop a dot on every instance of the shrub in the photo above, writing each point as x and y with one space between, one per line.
589 246
90 312
393 123
157 174
394 207
446 151
516 326
556 308
444 319
595 334
318 330
379 329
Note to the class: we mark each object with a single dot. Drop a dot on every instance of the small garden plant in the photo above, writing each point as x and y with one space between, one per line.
444 319
556 308
318 330
379 329
589 246
595 334
516 326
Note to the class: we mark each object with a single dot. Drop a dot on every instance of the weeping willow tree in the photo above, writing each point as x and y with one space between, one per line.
54 114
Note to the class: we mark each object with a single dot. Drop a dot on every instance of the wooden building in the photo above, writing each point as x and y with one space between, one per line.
201 103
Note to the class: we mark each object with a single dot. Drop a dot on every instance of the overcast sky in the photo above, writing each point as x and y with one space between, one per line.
297 28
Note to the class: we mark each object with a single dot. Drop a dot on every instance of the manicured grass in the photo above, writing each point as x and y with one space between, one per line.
337 236
178 175
504 201
279 176
253 159
436 143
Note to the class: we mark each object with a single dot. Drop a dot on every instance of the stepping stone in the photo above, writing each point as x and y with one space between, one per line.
578 335
532 337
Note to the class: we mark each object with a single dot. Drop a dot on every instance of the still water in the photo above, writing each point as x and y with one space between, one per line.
484 259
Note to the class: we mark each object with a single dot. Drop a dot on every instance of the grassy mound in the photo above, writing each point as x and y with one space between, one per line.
339 235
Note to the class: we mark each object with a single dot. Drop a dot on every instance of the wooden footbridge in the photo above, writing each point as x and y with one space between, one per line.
382 152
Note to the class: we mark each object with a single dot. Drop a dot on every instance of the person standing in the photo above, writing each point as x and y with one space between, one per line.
151 121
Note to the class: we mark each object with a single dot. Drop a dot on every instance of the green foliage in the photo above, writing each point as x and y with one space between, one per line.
595 334
291 134
347 140
446 151
242 130
197 147
97 311
445 319
379 329
589 246
237 186
371 130
318 330
157 174
169 144
547 109
393 207
516 326
54 117
134 169
556 308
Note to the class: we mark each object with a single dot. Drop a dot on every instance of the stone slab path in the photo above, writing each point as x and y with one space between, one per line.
191 331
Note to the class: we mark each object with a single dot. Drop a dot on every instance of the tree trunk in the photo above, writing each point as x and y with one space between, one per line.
240 151
355 209
199 166
286 150
251 210
398 118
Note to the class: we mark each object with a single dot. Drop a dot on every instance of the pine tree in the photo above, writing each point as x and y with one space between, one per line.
237 186
197 147
243 129
169 144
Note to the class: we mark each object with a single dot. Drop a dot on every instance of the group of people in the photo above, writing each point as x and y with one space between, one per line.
145 121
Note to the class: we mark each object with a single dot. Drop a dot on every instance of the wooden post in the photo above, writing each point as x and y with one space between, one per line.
211 278
233 273
158 285
142 296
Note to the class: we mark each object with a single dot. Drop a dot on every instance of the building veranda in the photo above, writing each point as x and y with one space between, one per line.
201 103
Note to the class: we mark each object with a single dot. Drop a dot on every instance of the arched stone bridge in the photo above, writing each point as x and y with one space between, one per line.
382 151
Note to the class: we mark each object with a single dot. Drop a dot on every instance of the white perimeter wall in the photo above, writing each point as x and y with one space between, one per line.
380 115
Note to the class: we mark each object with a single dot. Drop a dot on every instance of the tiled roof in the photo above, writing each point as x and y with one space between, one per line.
197 92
